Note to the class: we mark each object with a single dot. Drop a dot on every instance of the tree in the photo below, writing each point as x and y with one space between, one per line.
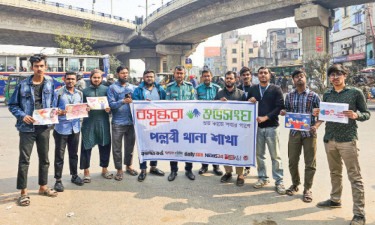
316 70
113 64
79 40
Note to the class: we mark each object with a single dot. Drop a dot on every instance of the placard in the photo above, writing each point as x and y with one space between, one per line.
333 112
45 116
298 121
97 103
76 111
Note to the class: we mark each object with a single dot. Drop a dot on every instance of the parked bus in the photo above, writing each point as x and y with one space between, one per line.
18 65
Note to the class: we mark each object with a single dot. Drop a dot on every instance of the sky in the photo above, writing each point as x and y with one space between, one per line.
130 8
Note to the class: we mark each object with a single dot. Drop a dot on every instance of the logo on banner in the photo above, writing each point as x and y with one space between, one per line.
194 113
159 115
245 157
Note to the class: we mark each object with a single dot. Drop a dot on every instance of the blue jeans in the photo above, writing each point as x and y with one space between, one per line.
144 164
269 136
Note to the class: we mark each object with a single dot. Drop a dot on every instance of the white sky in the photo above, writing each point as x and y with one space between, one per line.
130 8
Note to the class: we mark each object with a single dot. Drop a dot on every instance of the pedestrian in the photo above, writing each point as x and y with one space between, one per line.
231 93
119 96
149 90
80 84
66 132
270 103
33 93
110 80
207 91
341 142
302 100
180 90
96 129
193 81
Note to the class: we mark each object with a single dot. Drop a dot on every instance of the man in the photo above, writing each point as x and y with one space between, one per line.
95 129
80 84
149 90
270 103
341 142
193 81
207 91
182 91
119 97
110 80
67 132
245 74
284 84
302 100
231 93
31 94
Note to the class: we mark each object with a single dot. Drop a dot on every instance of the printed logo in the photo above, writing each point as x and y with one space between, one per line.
245 157
194 113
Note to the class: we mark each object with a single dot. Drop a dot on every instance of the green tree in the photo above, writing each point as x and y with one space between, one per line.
113 64
316 70
79 40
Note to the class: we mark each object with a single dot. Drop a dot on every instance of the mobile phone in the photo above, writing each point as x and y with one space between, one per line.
127 95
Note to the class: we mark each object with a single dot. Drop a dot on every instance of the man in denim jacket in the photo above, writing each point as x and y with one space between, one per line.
31 94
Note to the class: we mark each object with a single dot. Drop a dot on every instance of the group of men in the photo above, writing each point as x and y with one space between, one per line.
37 92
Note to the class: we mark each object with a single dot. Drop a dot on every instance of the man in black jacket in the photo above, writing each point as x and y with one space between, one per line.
270 102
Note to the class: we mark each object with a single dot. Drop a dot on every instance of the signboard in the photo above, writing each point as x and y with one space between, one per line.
188 63
333 112
358 56
319 44
212 132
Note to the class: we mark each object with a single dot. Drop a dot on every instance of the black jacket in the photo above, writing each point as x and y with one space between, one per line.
271 104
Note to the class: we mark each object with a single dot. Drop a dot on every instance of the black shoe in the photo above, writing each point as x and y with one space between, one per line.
203 170
172 176
247 171
142 176
227 177
358 220
190 175
77 180
240 182
218 171
59 187
329 204
157 172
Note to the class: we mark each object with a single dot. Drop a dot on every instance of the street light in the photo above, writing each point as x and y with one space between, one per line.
146 7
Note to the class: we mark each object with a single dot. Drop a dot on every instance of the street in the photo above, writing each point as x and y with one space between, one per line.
157 201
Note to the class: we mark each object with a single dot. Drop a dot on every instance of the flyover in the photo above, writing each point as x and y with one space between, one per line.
172 32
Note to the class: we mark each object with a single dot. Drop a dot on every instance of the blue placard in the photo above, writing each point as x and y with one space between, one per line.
298 121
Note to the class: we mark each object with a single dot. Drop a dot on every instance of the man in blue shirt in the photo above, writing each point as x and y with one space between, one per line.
149 90
67 132
119 96
207 91
31 94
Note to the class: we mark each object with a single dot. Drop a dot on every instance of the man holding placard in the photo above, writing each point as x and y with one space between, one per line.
341 141
95 128
67 132
31 94
299 102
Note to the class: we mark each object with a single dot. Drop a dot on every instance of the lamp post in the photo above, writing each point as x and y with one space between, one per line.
146 7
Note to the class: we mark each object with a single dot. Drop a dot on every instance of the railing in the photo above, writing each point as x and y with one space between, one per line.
160 8
65 6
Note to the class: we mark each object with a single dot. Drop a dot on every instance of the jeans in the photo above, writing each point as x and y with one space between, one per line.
41 137
143 165
269 136
72 140
174 166
104 152
120 133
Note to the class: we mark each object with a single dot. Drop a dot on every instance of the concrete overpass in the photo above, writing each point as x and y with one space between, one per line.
172 31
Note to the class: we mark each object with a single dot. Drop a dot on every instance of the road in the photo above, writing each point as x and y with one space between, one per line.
157 201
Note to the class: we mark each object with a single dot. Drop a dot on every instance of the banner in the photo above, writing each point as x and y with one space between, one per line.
333 112
45 116
297 121
212 132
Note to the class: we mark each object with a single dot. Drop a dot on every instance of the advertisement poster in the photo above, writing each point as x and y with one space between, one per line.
319 44
333 112
76 111
298 121
97 103
210 132
45 116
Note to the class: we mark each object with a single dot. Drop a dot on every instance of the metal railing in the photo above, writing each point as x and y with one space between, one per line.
160 8
65 6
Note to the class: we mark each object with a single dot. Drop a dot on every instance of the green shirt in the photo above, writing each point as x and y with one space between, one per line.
95 128
185 91
342 132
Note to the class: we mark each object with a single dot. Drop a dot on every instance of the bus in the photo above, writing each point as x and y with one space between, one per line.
18 65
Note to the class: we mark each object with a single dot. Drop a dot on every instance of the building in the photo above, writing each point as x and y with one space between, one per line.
370 34
212 59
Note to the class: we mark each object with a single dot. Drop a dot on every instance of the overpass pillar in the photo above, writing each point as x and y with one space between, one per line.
314 20
174 60
125 60
153 63
176 54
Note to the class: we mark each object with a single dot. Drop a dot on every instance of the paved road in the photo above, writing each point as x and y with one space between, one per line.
157 201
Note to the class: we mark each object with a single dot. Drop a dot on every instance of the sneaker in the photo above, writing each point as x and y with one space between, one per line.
358 220
59 187
246 172
280 189
260 183
77 180
227 177
329 204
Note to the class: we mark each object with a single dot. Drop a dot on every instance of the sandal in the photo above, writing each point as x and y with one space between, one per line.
132 172
119 176
307 196
24 200
86 179
49 193
292 190
107 175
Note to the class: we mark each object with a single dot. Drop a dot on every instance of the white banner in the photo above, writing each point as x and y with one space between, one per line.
212 132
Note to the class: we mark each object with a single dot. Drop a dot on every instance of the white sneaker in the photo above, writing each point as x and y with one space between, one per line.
260 183
280 189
